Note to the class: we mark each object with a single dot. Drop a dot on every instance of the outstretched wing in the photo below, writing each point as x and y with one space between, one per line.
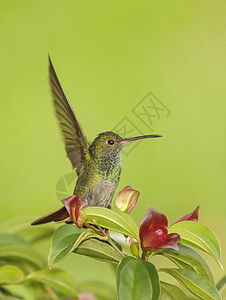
76 143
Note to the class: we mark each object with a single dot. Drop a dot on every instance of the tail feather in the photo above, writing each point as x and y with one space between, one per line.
55 216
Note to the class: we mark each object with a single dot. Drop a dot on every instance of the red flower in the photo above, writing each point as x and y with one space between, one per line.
74 205
154 232
126 199
193 216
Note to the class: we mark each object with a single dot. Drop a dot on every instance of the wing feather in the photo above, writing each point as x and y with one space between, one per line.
76 143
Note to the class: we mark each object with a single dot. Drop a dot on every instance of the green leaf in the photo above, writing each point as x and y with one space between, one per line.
101 290
99 250
199 236
36 234
12 239
7 295
223 293
171 292
17 224
17 251
137 279
63 242
21 226
66 239
195 283
221 283
57 279
23 253
40 291
188 258
12 297
114 220
11 275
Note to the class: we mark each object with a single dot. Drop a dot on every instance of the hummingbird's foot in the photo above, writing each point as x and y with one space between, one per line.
109 206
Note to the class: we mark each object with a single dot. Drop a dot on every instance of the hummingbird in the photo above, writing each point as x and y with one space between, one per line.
98 164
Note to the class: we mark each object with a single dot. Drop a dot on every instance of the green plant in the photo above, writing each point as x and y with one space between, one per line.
137 276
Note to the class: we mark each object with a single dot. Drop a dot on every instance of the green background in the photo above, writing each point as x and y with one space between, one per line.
108 56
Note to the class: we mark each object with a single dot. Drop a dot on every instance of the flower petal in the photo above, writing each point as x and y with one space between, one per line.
153 229
74 205
171 242
193 216
126 199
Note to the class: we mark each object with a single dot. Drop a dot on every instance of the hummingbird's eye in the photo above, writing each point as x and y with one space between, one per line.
111 142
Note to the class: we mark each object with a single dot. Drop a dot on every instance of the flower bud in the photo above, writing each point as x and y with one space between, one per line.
74 205
126 199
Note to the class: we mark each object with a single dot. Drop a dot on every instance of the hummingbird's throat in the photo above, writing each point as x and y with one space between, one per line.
109 165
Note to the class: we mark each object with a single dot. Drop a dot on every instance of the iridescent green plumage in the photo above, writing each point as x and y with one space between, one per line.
101 172
98 165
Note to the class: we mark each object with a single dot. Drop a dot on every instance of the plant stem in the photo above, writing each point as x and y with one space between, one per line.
104 234
115 247
150 254
94 229
144 255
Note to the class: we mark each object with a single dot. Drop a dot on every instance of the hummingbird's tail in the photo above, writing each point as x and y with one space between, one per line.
55 216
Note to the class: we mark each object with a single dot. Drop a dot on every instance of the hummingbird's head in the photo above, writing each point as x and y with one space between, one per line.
109 145
106 145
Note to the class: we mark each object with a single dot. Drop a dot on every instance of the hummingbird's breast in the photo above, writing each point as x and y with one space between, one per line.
97 186
101 193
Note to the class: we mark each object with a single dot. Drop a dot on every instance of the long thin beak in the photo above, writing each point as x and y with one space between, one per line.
127 140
